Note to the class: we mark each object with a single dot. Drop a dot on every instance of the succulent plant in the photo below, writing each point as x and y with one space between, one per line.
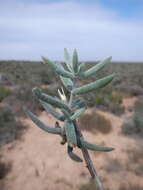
71 107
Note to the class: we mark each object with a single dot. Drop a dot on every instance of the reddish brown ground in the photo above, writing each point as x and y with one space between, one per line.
39 162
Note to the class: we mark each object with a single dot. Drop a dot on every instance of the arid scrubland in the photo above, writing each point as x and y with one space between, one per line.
114 117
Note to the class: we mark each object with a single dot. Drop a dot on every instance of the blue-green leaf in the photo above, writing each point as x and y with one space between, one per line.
70 132
41 125
67 60
75 61
50 110
72 155
67 82
58 68
78 103
77 114
66 113
96 68
49 99
94 85
81 67
94 147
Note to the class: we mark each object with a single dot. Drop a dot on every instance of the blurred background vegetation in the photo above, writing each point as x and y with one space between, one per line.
17 78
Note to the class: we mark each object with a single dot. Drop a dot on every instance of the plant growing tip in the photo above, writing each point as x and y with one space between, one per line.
62 95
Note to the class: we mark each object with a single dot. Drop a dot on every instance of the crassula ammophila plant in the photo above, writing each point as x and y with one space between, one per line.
72 107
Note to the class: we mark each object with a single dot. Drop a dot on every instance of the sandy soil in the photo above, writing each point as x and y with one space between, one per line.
39 162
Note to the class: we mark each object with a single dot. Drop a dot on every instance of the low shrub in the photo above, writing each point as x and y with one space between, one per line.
134 125
89 186
138 120
128 127
95 122
5 168
51 90
4 92
131 89
47 76
10 127
117 109
107 99
131 187
22 96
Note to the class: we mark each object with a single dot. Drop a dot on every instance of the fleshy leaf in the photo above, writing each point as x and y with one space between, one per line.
75 61
70 132
49 99
81 67
67 60
94 85
79 103
67 82
96 68
50 109
41 125
58 68
94 147
66 113
72 155
77 114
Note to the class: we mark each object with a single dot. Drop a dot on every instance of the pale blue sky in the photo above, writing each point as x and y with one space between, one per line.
30 29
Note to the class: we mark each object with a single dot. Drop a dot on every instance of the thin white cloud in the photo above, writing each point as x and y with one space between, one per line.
29 30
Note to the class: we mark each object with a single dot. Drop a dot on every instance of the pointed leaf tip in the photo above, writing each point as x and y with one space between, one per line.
75 61
67 59
94 85
94 147
41 125
73 156
96 68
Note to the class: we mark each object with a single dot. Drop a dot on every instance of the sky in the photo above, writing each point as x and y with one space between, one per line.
98 29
